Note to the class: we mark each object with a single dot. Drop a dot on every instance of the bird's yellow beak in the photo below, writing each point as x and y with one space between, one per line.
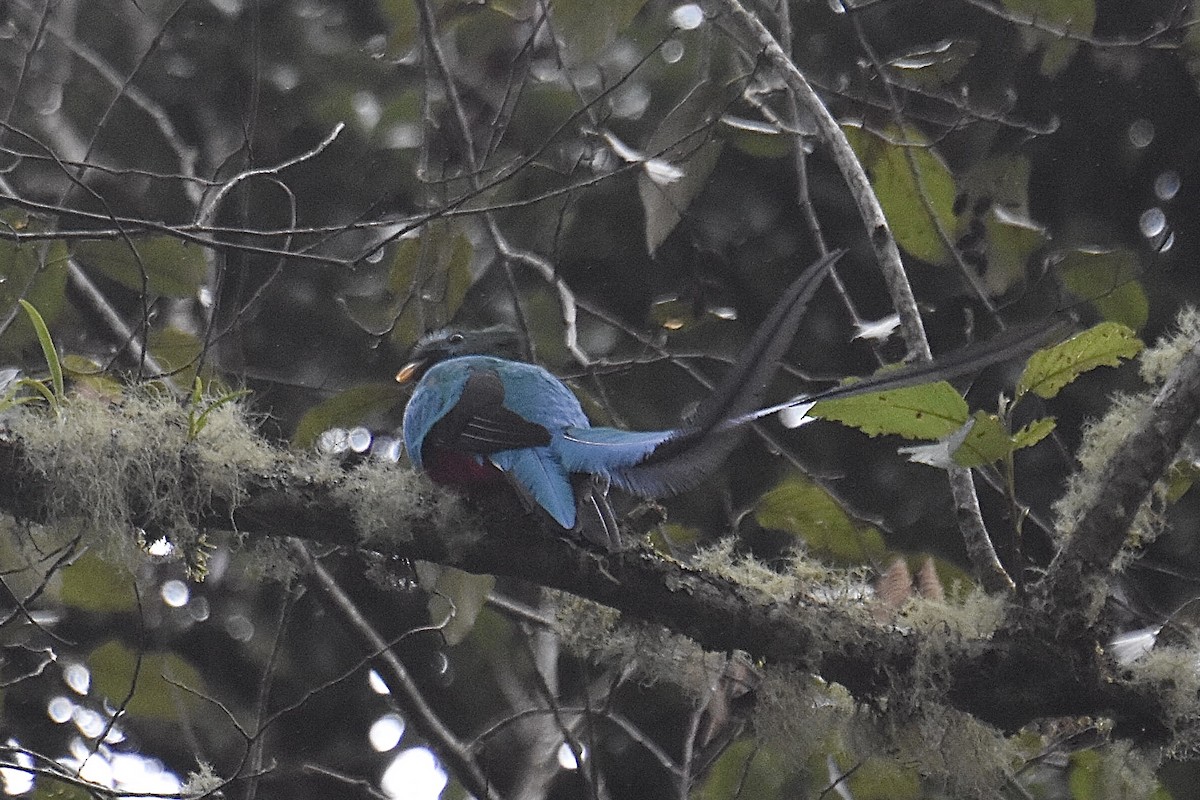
409 371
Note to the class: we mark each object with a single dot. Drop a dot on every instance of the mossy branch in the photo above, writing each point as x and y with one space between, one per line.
77 466
1126 481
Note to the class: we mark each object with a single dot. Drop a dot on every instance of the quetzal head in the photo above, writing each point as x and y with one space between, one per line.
445 343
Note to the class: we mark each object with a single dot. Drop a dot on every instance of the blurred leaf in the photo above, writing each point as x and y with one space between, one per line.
345 409
672 313
928 411
94 585
680 156
1181 477
36 272
746 769
933 65
807 511
884 779
433 270
113 666
468 593
1108 280
1052 368
586 30
899 190
671 537
87 373
1011 242
758 139
1077 16
174 349
172 268
402 21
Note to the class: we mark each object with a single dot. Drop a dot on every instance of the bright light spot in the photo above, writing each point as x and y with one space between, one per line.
16 781
566 756
414 775
401 136
386 732
631 101
60 708
672 51
230 8
135 773
1141 133
387 448
1152 222
175 593
284 77
77 677
95 768
366 106
359 439
90 723
689 17
727 313
199 609
333 441
160 547
239 628
1167 184
376 683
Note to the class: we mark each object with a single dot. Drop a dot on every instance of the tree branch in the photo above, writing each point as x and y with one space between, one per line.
1005 680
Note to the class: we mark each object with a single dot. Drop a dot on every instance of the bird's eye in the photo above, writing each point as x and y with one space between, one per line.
456 338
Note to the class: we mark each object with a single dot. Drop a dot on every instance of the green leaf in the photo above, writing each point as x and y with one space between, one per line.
749 769
1077 16
402 22
1034 432
804 509
928 411
1011 242
1052 368
36 272
585 30
173 348
113 667
48 350
466 591
989 442
1108 280
883 779
96 586
172 267
345 409
681 159
899 189
1180 478
986 443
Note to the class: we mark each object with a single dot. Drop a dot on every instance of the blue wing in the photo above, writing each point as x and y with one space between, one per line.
538 472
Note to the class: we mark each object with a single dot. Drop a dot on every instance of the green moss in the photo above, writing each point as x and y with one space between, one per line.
386 501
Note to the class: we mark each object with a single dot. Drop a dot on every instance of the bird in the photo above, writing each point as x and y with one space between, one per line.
475 417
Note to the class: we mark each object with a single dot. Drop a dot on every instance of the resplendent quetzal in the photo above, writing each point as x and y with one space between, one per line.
477 418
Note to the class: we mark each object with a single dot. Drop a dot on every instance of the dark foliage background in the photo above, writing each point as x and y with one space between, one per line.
307 189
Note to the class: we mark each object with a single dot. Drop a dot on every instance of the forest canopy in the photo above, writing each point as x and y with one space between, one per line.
226 224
